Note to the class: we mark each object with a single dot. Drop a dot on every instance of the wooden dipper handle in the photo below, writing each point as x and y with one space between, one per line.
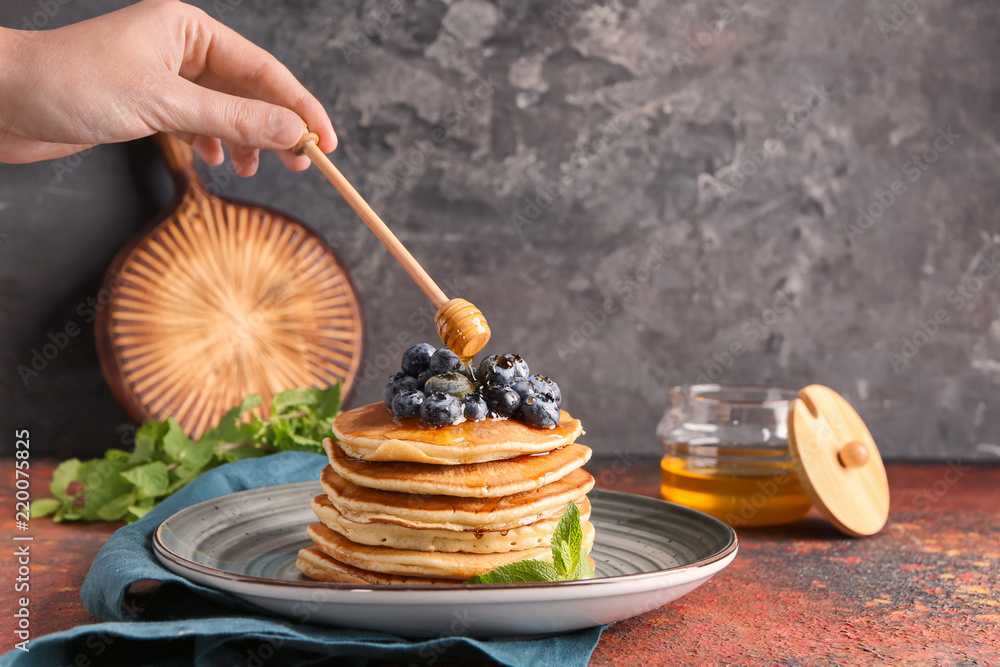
460 324
307 145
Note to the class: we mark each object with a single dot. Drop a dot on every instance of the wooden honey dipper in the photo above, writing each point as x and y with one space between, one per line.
461 325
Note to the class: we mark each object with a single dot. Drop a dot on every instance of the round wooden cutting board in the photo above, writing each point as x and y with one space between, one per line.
222 299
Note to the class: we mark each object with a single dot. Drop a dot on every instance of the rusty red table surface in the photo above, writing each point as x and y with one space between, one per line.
926 590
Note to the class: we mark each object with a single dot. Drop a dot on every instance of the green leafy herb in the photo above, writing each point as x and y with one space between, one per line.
44 506
569 558
126 485
521 571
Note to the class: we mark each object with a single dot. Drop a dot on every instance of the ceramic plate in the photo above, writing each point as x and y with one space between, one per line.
648 553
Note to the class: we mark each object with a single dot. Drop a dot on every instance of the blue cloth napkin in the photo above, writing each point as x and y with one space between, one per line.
179 622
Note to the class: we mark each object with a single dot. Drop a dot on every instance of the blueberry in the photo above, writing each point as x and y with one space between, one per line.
397 383
525 386
440 408
502 370
538 410
549 387
502 401
485 365
424 377
452 383
520 366
407 403
475 407
445 360
417 359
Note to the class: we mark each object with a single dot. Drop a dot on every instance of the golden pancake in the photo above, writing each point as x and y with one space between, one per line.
459 566
317 565
538 534
490 479
373 434
362 505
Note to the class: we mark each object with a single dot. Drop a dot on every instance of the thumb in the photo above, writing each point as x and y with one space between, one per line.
237 121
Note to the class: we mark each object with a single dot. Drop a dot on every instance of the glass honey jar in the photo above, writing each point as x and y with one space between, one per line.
726 453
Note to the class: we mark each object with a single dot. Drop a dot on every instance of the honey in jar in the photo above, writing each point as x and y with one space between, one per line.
726 454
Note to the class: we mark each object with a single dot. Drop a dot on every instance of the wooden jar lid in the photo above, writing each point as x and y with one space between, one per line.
219 300
837 461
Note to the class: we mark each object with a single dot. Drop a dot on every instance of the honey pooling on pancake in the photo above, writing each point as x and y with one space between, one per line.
372 433
457 472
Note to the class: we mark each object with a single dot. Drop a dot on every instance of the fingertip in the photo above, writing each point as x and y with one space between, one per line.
319 122
209 149
211 159
300 163
329 141
244 161
294 162
284 128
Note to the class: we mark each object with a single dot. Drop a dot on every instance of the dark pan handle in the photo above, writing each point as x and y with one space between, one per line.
180 161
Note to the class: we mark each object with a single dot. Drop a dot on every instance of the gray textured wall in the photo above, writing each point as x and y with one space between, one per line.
631 191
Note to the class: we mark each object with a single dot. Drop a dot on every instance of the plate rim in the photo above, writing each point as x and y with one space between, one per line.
161 551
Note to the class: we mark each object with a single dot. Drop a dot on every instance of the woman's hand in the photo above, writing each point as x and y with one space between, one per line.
156 66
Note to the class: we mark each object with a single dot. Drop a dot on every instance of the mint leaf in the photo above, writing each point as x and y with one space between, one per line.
519 572
164 459
136 512
228 428
175 441
583 569
43 507
562 558
301 443
68 514
102 483
569 558
180 476
181 449
150 479
280 432
198 454
64 473
117 457
567 541
292 398
116 508
147 438
240 453
569 529
327 405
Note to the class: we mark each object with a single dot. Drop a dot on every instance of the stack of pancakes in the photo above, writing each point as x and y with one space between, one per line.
406 503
